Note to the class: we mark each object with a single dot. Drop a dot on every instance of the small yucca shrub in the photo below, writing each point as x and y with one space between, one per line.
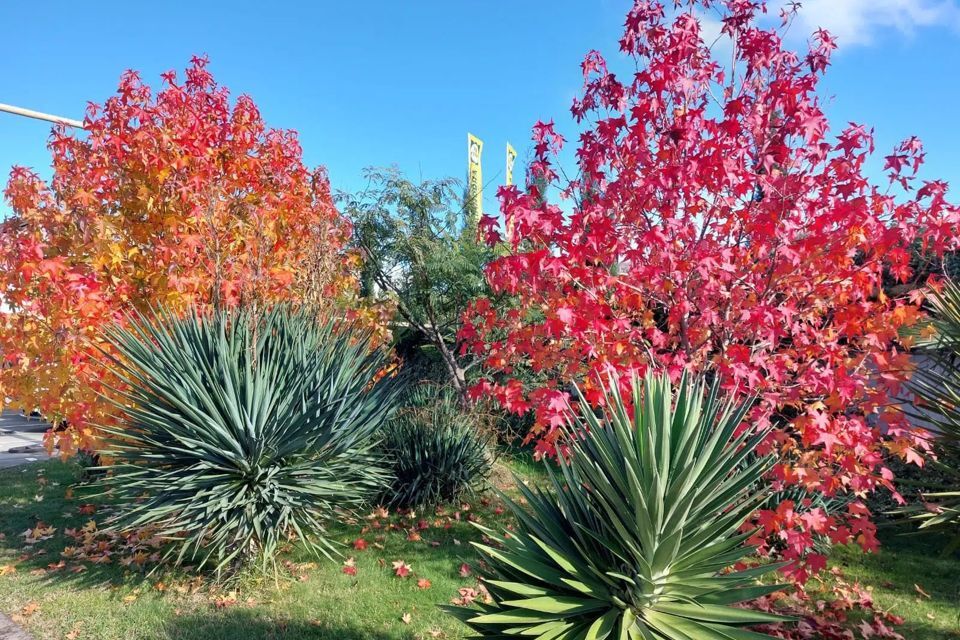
236 431
641 524
434 452
936 386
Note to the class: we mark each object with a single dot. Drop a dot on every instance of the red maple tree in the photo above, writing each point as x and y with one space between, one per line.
715 224
179 197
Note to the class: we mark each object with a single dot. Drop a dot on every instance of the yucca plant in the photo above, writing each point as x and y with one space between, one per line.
634 538
936 385
434 451
236 431
806 500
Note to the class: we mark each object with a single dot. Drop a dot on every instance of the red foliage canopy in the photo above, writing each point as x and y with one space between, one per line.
715 225
176 198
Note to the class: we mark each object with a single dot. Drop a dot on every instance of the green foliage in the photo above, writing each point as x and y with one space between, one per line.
235 430
434 450
421 251
418 239
642 520
951 265
936 386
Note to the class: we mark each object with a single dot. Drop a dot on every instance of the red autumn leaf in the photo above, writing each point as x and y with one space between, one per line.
466 596
423 583
401 569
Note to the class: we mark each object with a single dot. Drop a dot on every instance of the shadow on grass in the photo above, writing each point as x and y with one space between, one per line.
913 628
910 578
48 495
233 624
906 562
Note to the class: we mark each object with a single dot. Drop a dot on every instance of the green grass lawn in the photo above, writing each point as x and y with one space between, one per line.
312 599
316 598
909 578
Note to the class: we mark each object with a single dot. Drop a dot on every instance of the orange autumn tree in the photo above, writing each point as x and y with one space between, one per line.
176 198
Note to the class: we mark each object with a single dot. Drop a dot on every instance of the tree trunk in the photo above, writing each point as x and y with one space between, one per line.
454 370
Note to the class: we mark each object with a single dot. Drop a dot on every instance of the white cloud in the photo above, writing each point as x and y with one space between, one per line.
710 31
858 21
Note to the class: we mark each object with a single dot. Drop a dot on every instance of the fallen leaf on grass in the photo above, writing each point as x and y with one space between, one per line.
228 600
39 533
467 596
379 512
7 569
465 570
482 588
401 569
921 591
406 618
423 583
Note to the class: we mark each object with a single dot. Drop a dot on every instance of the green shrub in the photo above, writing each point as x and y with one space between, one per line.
235 432
641 523
434 451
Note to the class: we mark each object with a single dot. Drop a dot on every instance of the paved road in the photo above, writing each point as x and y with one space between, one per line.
10 631
21 439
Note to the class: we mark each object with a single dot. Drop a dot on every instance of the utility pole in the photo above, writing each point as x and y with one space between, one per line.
30 113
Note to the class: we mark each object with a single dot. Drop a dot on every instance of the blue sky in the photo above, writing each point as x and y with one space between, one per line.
383 82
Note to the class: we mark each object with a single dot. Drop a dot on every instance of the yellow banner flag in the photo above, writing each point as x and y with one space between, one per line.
474 178
511 158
